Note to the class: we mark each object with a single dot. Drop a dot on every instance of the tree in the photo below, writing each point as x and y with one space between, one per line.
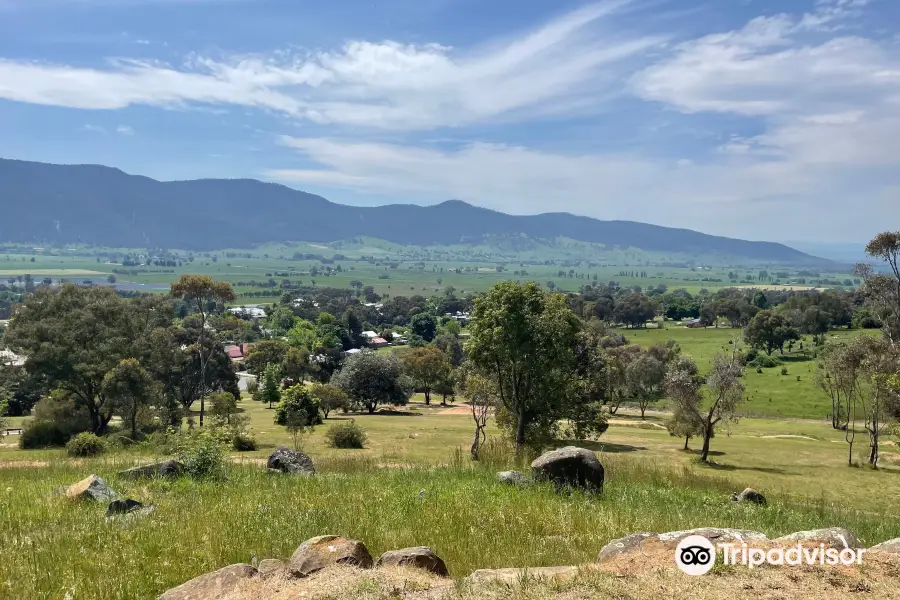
73 336
298 412
522 340
837 375
295 365
426 366
270 390
303 335
770 331
223 408
883 290
330 397
203 294
646 378
634 309
482 397
617 361
281 320
450 345
685 400
265 353
370 379
724 382
131 390
424 325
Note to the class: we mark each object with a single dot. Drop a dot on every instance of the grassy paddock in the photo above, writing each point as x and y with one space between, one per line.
465 516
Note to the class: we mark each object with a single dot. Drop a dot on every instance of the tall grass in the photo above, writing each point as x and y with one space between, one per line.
52 547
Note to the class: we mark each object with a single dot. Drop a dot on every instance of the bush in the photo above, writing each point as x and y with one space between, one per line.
243 442
297 398
346 435
758 369
784 371
765 362
85 444
42 434
203 453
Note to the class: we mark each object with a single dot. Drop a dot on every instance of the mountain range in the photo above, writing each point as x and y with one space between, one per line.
101 205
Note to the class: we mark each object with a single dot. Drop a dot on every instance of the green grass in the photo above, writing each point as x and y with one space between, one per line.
465 516
769 394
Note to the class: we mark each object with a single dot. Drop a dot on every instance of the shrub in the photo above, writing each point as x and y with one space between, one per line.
758 369
42 434
765 362
346 435
784 370
85 444
297 398
203 453
243 442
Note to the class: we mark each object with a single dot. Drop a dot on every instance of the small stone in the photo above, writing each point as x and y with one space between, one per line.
421 557
512 478
121 507
319 552
217 585
270 566
890 546
92 488
750 496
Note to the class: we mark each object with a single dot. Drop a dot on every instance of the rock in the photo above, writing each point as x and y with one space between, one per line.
167 468
624 545
286 460
836 537
751 496
212 586
121 507
891 546
270 566
421 557
513 576
135 514
569 466
714 535
512 478
319 552
92 488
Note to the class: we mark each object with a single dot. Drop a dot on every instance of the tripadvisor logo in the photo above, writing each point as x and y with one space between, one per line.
695 555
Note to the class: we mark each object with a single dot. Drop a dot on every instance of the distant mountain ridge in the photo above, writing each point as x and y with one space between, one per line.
105 206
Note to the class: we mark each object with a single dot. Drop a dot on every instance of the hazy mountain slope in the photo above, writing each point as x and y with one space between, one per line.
101 205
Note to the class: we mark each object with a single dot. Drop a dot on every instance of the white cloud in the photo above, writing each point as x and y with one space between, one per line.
729 196
124 130
93 128
386 85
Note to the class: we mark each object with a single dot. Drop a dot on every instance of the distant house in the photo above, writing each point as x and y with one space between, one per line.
237 353
253 312
369 334
352 351
377 342
11 359
694 323
398 338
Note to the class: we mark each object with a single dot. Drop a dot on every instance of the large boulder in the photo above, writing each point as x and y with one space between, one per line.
835 537
512 478
569 467
421 557
750 496
319 552
890 546
92 488
211 586
166 468
715 535
625 545
286 460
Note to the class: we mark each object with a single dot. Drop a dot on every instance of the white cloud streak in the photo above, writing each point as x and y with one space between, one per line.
386 85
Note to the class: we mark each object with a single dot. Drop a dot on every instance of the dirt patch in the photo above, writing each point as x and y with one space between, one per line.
787 435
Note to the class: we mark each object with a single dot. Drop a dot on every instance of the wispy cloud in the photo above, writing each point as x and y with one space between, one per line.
124 130
386 85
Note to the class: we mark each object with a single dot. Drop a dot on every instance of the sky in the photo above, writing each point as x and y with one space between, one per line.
759 119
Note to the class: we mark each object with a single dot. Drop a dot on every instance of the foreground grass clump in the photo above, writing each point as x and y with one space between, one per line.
465 515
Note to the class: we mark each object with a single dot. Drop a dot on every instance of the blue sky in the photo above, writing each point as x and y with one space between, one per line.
759 119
